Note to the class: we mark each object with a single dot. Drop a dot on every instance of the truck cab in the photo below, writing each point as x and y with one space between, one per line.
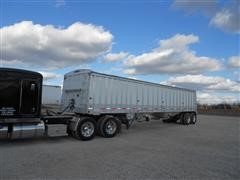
20 101
20 94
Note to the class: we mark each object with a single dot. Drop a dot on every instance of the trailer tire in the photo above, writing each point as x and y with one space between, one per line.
193 118
109 126
186 118
86 129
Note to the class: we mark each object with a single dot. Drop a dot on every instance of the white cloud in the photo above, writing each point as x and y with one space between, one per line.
206 98
227 19
49 75
201 82
179 41
224 16
51 47
173 56
237 75
234 61
113 57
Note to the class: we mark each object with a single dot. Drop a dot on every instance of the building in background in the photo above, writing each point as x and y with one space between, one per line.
51 94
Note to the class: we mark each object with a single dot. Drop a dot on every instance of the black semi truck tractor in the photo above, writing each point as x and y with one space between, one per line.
20 103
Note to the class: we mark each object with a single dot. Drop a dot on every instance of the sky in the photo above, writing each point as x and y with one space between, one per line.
191 44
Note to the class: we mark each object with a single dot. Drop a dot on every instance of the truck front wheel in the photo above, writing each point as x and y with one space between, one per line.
86 129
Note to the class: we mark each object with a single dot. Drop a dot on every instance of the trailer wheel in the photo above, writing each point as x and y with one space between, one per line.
86 128
109 126
186 118
193 118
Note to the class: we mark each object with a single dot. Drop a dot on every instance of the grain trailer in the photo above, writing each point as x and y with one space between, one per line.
104 102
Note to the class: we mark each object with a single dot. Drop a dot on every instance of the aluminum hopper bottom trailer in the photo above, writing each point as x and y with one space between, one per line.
92 103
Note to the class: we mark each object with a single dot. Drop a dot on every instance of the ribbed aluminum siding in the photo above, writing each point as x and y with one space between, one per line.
110 94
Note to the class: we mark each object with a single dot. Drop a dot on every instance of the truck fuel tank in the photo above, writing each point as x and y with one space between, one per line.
26 130
22 130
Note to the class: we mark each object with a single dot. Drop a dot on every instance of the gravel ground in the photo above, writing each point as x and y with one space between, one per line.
149 150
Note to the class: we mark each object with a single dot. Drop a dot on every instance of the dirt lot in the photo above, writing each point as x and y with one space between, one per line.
150 150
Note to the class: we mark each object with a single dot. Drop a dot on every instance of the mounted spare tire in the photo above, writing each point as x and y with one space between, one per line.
109 126
86 128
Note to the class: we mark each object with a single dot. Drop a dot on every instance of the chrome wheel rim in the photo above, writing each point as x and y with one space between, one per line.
111 127
188 119
87 129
